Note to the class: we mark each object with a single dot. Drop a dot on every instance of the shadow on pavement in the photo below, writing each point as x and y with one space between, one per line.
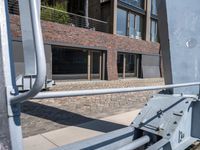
68 118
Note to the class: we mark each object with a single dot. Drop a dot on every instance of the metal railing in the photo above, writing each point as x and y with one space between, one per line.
67 18
44 95
39 54
10 101
63 17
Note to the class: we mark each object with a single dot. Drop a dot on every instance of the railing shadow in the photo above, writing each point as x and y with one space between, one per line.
67 118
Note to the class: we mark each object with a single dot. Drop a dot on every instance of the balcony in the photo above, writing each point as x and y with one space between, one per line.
67 18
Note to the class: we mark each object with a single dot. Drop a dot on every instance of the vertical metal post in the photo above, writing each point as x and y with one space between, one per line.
180 42
87 13
5 141
27 36
10 128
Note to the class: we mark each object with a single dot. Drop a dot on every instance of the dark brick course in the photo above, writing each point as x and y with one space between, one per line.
58 33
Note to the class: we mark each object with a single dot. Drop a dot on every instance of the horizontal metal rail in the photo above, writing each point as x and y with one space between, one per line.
64 17
61 94
136 143
69 13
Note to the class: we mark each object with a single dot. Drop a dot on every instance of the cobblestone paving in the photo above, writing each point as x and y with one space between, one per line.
40 116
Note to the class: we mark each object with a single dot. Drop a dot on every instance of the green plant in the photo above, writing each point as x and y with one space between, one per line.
56 13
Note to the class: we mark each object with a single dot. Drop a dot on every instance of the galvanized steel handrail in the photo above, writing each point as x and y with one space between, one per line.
136 143
40 57
61 94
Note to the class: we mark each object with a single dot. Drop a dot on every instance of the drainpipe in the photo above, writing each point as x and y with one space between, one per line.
86 13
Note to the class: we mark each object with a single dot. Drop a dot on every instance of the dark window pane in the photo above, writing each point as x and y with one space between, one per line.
120 63
154 9
154 31
96 62
138 27
130 63
66 61
121 22
132 26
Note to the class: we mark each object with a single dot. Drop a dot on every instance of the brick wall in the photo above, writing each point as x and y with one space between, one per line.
58 33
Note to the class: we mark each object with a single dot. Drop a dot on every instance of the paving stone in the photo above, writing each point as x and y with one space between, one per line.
40 116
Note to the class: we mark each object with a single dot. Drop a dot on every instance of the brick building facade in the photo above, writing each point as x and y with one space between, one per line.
96 53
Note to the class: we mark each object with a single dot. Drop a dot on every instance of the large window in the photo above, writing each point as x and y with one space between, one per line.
72 63
132 27
135 3
154 9
127 65
154 31
66 61
121 22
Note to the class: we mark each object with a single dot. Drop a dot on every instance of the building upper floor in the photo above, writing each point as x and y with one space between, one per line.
132 18
137 19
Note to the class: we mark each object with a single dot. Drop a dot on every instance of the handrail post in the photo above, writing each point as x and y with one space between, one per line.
10 128
39 55
28 36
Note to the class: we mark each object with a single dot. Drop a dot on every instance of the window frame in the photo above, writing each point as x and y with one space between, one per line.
128 23
157 36
126 4
126 26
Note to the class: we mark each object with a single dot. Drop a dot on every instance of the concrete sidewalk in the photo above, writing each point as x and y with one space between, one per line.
72 134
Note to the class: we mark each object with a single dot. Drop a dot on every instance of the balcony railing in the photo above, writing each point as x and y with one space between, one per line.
64 17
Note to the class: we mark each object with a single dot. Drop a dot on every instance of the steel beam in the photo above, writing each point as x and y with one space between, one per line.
136 143
109 141
180 42
5 141
10 128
